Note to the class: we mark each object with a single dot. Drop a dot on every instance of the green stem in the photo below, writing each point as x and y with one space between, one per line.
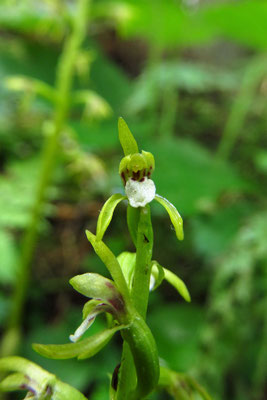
65 72
139 294
141 280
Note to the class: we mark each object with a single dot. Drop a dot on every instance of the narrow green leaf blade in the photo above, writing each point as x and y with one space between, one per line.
111 262
127 262
106 214
175 217
84 349
177 283
128 142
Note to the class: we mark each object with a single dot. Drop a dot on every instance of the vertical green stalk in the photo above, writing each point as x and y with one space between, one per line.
139 294
252 76
64 78
141 280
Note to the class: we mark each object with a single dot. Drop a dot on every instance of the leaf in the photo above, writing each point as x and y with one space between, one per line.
106 214
95 286
127 262
111 262
231 21
128 142
84 349
175 217
177 283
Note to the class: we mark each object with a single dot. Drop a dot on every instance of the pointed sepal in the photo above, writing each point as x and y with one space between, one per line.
177 283
174 215
128 142
106 214
157 275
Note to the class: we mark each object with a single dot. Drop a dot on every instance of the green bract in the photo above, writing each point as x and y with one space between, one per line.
128 142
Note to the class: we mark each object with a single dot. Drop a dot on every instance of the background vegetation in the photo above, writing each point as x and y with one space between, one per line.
190 78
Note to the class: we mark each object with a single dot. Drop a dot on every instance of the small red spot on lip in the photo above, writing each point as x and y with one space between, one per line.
117 303
142 180
123 178
109 285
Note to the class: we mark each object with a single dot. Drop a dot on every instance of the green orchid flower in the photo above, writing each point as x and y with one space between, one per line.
135 170
124 298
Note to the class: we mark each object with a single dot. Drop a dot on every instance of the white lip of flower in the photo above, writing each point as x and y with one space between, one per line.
140 193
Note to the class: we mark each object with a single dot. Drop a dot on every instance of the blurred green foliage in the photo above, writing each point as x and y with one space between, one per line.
191 78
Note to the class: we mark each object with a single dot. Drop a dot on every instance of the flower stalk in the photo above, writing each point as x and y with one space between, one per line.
125 297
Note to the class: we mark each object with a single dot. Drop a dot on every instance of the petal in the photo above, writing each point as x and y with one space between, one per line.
91 309
140 193
128 142
106 214
177 283
157 275
175 217
98 287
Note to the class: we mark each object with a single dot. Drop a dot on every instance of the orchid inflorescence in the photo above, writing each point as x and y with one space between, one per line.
120 296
